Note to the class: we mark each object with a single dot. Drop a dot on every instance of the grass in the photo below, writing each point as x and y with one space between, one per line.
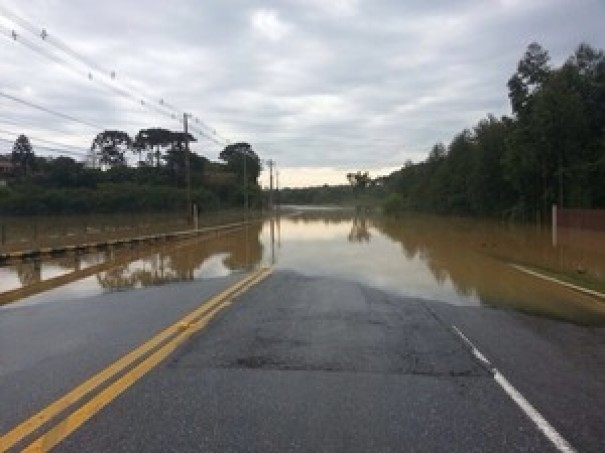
582 280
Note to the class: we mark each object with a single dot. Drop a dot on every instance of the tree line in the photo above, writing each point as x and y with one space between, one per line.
158 181
550 151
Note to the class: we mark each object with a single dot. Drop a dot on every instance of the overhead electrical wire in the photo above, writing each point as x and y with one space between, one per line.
29 126
144 101
87 74
52 112
51 149
43 140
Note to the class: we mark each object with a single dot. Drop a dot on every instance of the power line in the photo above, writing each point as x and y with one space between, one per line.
87 74
120 91
52 112
43 140
144 100
29 126
47 148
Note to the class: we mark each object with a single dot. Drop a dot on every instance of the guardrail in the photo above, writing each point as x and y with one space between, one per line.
54 251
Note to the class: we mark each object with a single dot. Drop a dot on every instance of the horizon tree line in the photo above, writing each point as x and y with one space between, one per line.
551 150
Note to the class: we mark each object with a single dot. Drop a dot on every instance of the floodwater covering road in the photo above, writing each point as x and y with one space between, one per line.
458 261
357 333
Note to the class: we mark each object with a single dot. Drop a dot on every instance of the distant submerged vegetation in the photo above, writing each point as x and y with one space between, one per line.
31 184
551 151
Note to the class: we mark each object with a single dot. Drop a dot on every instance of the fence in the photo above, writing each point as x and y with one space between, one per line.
567 220
18 234
583 219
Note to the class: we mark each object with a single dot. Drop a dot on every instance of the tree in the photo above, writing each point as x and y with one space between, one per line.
64 171
491 193
438 153
359 180
111 147
22 155
532 73
235 155
587 169
175 157
152 141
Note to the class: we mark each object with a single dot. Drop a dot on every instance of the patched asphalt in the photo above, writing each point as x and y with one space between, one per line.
319 364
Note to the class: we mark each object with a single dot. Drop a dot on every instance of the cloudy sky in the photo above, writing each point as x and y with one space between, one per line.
321 86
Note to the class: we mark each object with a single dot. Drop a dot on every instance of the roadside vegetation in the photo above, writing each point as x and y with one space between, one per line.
550 151
158 182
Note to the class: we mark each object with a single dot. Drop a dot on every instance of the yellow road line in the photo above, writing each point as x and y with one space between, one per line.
45 415
85 412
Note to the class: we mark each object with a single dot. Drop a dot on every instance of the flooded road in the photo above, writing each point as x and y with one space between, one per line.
456 261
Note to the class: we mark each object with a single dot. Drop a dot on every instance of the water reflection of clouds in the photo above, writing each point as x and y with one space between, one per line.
8 279
312 231
52 270
85 287
213 267
313 249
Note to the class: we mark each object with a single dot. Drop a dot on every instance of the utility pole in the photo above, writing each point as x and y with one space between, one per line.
187 166
270 163
245 187
277 186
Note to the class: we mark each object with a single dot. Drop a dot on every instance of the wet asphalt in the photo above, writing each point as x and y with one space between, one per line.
309 364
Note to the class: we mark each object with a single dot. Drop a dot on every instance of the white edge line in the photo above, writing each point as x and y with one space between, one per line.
585 291
547 429
474 350
532 413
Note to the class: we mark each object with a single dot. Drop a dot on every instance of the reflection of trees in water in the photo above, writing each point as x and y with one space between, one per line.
116 278
448 251
359 230
29 272
327 217
473 256
178 261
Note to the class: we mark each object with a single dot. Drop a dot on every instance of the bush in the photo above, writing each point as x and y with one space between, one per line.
393 205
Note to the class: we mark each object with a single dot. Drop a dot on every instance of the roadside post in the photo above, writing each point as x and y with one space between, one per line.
196 218
554 225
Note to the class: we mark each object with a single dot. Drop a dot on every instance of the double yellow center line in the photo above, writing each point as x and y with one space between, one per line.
153 351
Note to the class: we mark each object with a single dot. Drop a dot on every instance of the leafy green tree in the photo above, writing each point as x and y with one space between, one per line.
175 156
532 72
63 172
527 160
111 147
152 141
359 180
23 156
585 171
235 155
491 193
438 153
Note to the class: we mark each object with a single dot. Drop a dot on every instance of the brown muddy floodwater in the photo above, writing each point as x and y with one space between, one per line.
457 261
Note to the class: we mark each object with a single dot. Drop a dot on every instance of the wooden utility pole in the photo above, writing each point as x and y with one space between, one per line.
270 163
187 166
245 187
277 186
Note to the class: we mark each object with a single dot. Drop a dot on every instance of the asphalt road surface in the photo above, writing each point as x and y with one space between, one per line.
301 363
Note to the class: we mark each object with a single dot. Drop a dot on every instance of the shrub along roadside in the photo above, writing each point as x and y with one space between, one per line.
106 198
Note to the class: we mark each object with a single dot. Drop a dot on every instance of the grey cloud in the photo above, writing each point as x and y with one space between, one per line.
345 83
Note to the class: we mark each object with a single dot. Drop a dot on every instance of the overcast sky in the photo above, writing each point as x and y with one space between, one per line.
321 86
